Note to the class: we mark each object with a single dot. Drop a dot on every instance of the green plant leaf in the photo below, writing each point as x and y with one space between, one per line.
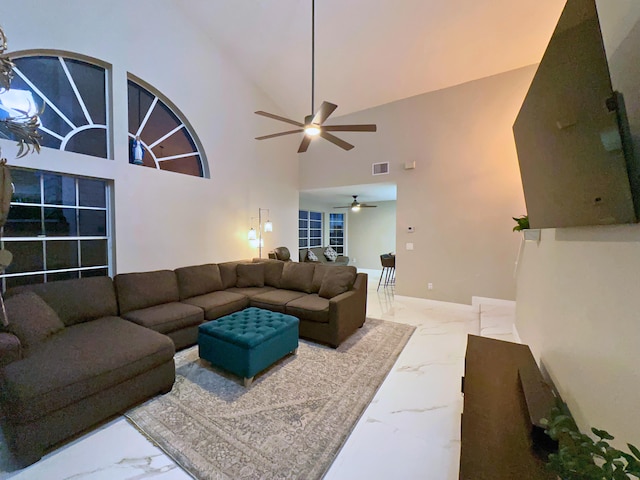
602 434
634 450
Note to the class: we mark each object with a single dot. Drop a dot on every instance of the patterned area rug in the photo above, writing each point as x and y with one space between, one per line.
291 422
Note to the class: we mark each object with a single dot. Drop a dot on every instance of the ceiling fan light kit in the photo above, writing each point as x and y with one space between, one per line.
356 205
313 125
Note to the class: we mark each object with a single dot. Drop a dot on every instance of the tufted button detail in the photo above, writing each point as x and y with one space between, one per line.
249 327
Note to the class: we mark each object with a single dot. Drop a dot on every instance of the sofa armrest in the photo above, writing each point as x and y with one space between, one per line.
10 348
342 260
348 310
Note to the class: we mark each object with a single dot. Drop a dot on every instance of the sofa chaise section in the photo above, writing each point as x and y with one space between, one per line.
152 300
77 364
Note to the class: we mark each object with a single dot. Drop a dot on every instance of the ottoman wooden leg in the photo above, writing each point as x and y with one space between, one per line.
247 382
295 352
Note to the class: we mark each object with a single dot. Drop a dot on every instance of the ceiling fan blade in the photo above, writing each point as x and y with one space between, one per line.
306 140
349 206
323 113
335 140
278 117
362 205
350 128
279 134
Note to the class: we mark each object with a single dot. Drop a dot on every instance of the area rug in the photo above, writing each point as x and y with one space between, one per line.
291 422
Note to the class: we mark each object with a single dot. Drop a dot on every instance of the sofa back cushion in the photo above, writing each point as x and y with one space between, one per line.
318 274
297 276
198 280
31 319
272 271
77 300
146 289
250 275
229 274
338 279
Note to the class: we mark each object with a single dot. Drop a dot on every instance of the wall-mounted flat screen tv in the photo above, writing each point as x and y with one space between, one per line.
572 135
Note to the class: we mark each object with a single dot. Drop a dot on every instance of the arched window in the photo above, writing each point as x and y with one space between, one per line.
71 95
164 135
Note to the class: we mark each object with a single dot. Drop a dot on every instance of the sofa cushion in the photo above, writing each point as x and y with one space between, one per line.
72 365
218 304
275 300
146 289
228 274
168 317
31 319
250 291
272 271
339 280
318 275
198 280
310 307
297 276
77 300
250 275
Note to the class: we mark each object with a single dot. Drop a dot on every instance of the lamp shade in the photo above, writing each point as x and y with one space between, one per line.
252 234
268 226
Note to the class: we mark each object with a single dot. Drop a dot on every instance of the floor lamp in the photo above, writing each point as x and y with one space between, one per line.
256 237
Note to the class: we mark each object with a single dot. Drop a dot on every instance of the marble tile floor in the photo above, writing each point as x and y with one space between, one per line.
411 429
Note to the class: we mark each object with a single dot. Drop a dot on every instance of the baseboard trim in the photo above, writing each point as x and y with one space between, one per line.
477 301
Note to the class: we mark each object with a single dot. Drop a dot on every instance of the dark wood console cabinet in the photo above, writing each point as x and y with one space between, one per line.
500 422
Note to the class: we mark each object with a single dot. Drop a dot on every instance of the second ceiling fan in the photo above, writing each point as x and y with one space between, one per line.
356 205
314 124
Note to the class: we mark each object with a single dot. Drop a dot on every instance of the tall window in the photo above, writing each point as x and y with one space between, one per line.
58 228
71 96
309 229
336 232
166 140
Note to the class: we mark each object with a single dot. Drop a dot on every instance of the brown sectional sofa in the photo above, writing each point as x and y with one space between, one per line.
77 352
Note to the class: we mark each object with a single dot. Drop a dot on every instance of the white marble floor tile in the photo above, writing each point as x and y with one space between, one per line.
115 451
411 429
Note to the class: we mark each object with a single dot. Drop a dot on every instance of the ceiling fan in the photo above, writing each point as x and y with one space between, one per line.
314 124
356 205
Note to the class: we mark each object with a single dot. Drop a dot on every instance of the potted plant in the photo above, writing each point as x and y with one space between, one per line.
583 457
522 223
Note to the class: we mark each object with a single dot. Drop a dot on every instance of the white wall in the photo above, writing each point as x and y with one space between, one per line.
371 232
577 289
460 197
164 219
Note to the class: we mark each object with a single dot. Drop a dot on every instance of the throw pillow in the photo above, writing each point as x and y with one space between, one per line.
338 280
330 254
250 275
311 256
297 276
31 319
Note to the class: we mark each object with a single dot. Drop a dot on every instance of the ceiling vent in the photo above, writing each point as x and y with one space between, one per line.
380 168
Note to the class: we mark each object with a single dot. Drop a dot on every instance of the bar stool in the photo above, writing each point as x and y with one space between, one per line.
388 270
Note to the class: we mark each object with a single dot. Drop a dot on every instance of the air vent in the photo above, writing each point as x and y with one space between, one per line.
380 168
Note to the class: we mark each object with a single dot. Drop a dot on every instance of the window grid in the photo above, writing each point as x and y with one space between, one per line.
42 246
163 131
336 232
309 229
60 105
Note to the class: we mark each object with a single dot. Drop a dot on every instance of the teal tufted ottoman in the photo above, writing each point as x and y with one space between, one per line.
246 342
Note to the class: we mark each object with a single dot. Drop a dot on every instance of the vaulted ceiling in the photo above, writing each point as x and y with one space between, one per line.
371 52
